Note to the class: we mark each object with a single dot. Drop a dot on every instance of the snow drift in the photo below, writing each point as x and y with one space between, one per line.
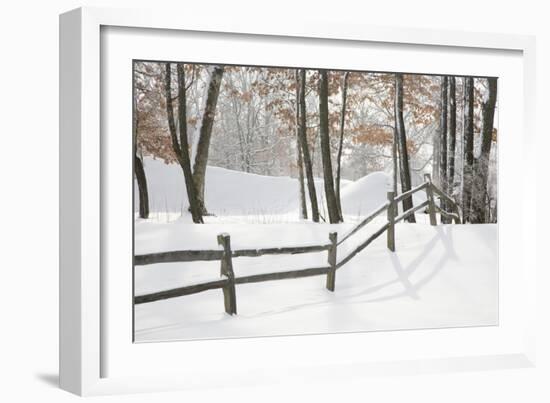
234 193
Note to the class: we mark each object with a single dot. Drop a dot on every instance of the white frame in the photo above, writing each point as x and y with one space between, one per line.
80 178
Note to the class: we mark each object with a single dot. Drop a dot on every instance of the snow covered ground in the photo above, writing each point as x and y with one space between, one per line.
444 276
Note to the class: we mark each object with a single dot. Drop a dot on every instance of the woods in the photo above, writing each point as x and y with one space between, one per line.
325 129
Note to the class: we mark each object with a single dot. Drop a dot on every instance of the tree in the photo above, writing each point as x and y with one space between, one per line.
436 158
468 128
140 174
479 209
301 82
452 134
395 162
443 144
300 161
330 195
205 134
139 171
341 143
402 145
181 146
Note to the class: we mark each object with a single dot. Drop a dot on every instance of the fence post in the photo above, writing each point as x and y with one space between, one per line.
229 296
430 196
391 221
331 275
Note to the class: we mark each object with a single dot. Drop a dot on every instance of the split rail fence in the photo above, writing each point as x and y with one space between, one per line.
225 254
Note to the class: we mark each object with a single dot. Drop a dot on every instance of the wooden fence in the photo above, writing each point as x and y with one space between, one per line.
225 254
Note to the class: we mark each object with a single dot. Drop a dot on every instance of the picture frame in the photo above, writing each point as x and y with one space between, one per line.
85 314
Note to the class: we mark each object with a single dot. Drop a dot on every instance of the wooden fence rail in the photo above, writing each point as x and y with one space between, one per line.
409 193
225 255
209 255
365 221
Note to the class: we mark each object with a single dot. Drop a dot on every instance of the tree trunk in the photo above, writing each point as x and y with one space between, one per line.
300 161
467 170
185 163
394 156
436 158
181 146
142 188
452 134
330 195
479 210
139 171
402 145
303 204
301 83
341 143
443 144
205 134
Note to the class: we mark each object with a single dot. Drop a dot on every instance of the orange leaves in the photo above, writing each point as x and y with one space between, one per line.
261 102
372 134
378 135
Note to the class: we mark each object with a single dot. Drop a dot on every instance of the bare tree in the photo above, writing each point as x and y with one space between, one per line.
480 196
402 145
139 171
181 146
140 176
443 143
330 195
452 133
300 161
205 133
468 128
341 143
301 83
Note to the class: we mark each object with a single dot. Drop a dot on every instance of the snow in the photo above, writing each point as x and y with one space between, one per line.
245 197
365 194
443 276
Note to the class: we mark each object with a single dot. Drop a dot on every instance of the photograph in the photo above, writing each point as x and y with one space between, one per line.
281 201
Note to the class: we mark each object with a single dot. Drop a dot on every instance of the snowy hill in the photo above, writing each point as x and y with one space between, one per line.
239 194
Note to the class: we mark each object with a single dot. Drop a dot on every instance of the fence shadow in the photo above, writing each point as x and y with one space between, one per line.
412 289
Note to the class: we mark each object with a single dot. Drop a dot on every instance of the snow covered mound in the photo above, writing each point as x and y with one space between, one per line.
227 192
234 192
365 194
244 195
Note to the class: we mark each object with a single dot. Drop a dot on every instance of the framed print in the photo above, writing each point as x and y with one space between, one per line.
293 199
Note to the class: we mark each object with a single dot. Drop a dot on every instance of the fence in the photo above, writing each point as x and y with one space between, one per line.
225 254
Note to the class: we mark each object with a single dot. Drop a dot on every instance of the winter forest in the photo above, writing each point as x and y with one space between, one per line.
323 129
376 191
